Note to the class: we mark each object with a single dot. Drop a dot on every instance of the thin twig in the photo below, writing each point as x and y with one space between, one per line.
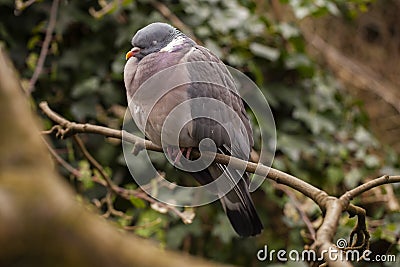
146 225
95 164
21 5
106 7
61 161
299 209
111 210
116 189
385 179
45 46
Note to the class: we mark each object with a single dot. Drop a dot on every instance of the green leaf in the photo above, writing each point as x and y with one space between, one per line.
296 60
335 175
287 30
372 161
31 60
86 174
84 108
292 145
33 42
264 51
151 223
352 178
315 121
137 202
176 234
223 229
362 136
86 87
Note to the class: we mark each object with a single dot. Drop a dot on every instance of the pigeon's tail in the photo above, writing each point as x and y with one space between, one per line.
240 210
231 186
237 203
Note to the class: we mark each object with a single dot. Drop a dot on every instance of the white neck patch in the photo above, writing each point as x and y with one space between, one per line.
175 42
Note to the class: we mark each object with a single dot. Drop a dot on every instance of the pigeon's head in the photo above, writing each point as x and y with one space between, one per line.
154 38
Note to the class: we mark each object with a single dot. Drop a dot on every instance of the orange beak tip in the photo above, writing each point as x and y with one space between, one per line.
132 52
129 55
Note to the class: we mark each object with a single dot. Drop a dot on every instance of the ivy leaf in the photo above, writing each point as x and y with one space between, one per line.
151 223
223 229
264 51
372 161
176 235
137 202
315 121
86 87
86 174
352 178
287 30
335 175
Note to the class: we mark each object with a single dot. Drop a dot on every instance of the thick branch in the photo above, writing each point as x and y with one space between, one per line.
327 231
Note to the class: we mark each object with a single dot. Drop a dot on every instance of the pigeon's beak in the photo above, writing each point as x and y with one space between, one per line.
132 52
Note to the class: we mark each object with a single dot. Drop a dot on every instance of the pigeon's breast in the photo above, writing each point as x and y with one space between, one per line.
158 89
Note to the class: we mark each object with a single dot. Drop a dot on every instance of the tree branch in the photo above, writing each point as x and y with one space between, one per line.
300 210
45 46
95 164
385 179
21 5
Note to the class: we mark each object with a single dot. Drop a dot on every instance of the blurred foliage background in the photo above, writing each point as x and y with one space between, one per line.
324 134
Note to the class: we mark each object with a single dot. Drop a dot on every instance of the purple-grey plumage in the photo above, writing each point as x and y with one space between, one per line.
160 46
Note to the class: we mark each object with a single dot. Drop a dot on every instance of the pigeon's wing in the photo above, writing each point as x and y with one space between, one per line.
228 124
231 132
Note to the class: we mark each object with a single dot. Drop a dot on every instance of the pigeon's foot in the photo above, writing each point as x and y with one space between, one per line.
175 153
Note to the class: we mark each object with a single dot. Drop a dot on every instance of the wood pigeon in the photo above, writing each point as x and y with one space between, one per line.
158 47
